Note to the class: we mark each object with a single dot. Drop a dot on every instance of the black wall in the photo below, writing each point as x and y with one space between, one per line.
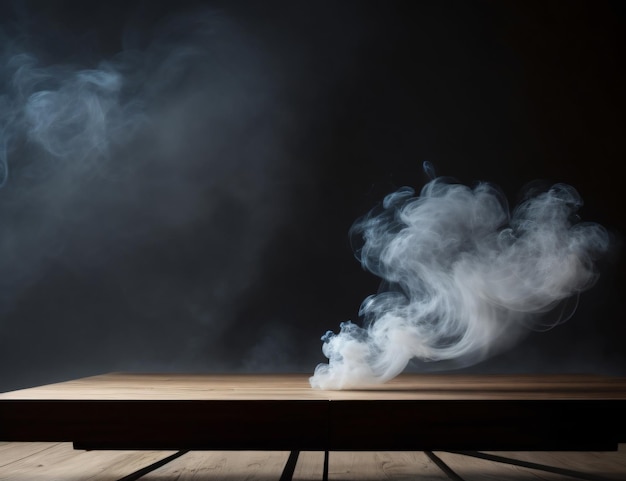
214 237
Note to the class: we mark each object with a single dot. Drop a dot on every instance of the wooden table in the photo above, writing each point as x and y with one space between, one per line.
424 412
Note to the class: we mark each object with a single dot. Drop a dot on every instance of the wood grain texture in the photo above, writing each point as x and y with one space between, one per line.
129 386
223 465
12 452
611 465
281 412
309 467
379 466
472 469
59 461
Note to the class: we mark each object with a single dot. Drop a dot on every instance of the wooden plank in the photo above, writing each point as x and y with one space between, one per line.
220 465
282 412
310 466
592 466
12 452
60 461
611 465
473 469
376 466
271 387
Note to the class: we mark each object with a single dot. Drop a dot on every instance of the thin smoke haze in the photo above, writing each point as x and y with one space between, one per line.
463 277
109 161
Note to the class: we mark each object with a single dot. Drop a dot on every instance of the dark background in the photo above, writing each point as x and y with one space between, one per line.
217 238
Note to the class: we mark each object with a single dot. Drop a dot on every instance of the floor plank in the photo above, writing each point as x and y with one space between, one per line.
223 465
310 466
60 461
397 466
608 464
470 468
12 452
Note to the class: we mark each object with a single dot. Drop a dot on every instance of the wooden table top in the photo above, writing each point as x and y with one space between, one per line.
282 412
293 387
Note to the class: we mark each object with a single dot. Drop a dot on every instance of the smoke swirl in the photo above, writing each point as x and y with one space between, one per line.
462 277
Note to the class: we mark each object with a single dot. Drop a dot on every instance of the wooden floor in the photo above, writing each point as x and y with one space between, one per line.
59 461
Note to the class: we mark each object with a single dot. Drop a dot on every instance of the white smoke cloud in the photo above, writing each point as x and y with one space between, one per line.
463 278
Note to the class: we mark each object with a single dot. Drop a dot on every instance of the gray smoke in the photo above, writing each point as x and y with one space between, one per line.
104 158
463 278
59 127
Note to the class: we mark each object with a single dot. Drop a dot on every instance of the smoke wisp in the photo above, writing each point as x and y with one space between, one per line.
463 277
151 176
